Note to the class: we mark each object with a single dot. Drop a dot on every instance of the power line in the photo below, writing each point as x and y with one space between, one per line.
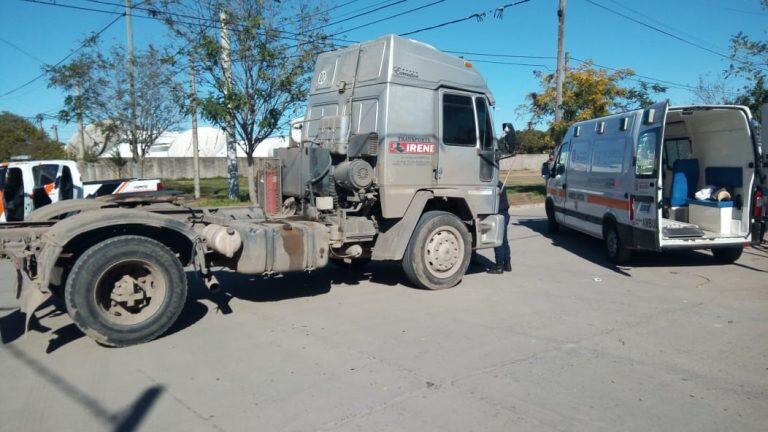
399 14
479 16
672 35
481 54
359 15
71 53
21 50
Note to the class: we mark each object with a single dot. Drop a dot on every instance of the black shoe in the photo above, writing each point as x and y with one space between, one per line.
508 265
497 269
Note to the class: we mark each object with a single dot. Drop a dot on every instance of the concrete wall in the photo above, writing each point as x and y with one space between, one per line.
181 167
524 162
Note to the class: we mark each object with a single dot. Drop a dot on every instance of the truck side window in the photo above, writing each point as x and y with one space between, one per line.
2 177
645 154
459 120
484 123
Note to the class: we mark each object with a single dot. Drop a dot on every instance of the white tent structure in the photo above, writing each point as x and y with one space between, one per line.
211 142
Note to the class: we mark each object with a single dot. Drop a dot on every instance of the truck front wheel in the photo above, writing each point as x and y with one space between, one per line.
126 290
439 251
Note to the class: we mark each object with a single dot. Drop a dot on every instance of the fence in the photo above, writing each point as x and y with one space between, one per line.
181 167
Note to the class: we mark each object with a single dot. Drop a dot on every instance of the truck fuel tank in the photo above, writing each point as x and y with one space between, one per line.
273 246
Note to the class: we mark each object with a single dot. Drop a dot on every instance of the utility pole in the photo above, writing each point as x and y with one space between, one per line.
226 64
80 126
560 73
131 89
195 151
55 129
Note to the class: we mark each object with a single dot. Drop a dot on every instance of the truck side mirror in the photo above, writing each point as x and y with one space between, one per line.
508 143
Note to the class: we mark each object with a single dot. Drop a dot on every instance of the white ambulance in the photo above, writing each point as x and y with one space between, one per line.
632 179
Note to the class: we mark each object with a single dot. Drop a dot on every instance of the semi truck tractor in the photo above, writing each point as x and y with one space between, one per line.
397 161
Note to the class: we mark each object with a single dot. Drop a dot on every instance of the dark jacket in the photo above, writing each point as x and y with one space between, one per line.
503 201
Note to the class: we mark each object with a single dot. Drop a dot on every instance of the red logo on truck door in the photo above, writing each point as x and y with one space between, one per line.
411 147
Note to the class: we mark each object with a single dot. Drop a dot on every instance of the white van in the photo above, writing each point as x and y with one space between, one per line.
631 180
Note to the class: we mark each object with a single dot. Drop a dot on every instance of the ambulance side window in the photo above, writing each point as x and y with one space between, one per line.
459 120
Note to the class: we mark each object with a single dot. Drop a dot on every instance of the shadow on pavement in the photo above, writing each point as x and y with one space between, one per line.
127 420
592 249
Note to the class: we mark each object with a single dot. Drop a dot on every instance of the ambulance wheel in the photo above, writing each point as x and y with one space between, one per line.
727 255
552 226
126 290
617 251
439 251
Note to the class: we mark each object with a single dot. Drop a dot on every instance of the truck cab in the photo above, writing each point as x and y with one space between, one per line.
417 125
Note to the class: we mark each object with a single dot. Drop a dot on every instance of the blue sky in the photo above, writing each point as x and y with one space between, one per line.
48 33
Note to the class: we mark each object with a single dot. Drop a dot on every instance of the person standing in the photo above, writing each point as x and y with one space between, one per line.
502 254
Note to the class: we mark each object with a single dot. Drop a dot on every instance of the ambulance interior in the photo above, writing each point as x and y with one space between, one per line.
706 149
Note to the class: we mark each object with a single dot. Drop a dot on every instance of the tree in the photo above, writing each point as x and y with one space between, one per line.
534 141
749 60
588 92
19 136
98 88
270 64
713 92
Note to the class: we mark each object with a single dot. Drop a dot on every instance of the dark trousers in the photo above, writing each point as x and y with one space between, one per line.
502 252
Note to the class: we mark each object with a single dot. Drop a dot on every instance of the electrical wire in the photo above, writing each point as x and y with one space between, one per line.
399 14
674 36
479 16
71 53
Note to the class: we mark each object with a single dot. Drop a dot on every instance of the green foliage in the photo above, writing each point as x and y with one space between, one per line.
19 136
98 91
749 60
588 92
534 141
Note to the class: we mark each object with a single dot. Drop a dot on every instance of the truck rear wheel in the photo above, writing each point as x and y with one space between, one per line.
126 290
727 255
439 251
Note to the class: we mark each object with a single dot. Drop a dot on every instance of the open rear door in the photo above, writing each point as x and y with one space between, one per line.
646 196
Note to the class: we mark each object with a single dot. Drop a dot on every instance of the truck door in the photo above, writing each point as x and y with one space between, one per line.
645 216
458 162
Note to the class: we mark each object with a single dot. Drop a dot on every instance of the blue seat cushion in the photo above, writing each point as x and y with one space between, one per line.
685 178
724 176
708 203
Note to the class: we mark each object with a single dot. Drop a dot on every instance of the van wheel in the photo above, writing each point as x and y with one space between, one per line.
126 290
727 255
552 226
439 251
617 251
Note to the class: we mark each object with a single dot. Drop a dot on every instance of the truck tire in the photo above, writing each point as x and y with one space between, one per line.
126 290
439 251
727 255
618 253
552 226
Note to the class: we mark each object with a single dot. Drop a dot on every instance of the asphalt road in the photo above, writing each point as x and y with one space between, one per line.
564 342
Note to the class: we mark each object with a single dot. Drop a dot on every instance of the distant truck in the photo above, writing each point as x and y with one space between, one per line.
397 161
644 180
26 186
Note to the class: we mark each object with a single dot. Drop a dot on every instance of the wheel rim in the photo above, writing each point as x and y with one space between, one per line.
444 252
130 292
612 242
